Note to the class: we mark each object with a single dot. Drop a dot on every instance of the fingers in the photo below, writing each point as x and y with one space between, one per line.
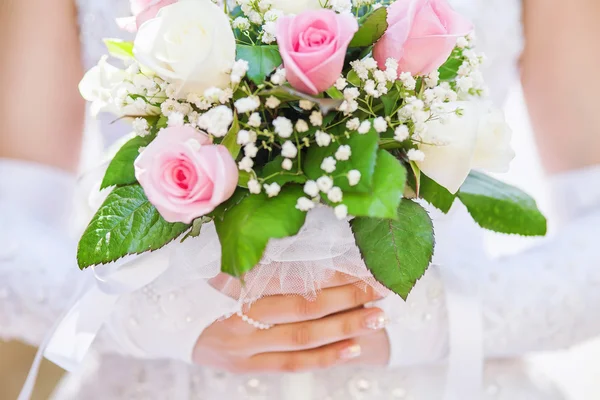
313 334
307 360
290 309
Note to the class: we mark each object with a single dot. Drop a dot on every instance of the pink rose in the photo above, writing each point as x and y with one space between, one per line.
184 175
421 35
313 46
142 11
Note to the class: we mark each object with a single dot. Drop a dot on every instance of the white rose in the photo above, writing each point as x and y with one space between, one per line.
296 6
492 150
478 139
189 43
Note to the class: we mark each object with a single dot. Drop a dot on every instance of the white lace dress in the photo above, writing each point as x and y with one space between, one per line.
540 300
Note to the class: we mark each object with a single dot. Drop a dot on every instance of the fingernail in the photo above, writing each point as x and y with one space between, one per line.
350 352
376 321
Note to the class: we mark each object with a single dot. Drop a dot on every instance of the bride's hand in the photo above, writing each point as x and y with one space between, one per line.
307 335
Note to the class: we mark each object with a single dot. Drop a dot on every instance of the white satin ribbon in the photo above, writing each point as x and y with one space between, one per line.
70 339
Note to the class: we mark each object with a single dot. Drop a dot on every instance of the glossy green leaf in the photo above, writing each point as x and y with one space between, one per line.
499 207
230 140
126 223
120 171
262 60
397 252
371 29
273 172
435 194
119 48
245 229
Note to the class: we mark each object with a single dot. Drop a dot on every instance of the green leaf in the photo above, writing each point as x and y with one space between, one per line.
387 191
363 158
245 230
243 179
397 252
234 200
120 171
126 223
119 48
335 93
262 60
272 172
449 70
353 78
196 228
390 101
435 194
372 29
230 140
286 94
500 207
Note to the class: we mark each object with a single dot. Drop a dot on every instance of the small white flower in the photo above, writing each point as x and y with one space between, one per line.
354 177
264 5
343 153
254 16
216 121
305 204
340 6
335 195
273 189
289 150
316 118
370 63
407 79
254 120
391 69
246 164
464 83
254 187
351 93
241 23
268 32
353 124
360 69
212 94
371 89
175 119
380 124
287 164
278 77
301 126
247 104
364 127
348 106
140 105
272 102
341 211
325 184
432 79
244 137
328 164
421 129
238 71
380 76
401 133
415 155
250 150
283 127
462 42
140 127
341 83
311 188
273 15
323 139
306 105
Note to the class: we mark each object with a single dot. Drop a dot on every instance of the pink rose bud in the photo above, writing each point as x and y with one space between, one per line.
313 46
184 175
421 35
142 11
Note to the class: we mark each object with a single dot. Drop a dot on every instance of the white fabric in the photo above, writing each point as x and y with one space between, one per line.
540 300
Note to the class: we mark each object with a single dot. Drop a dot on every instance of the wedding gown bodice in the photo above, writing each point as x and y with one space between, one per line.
539 300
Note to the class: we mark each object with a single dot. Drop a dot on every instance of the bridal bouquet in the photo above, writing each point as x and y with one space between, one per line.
250 116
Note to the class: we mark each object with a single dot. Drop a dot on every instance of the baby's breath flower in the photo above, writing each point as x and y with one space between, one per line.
250 150
323 139
272 189
351 93
380 124
244 137
289 150
238 71
401 133
278 77
415 155
432 79
340 6
311 188
341 211
343 153
335 195
364 127
272 102
325 184
175 119
341 83
301 126
306 105
462 42
354 177
316 118
353 124
361 70
241 23
216 121
246 164
253 186
329 164
305 204
408 81
287 164
254 120
283 127
140 127
247 104
370 63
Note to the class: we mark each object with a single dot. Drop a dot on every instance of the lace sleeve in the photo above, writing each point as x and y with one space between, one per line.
542 299
37 269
